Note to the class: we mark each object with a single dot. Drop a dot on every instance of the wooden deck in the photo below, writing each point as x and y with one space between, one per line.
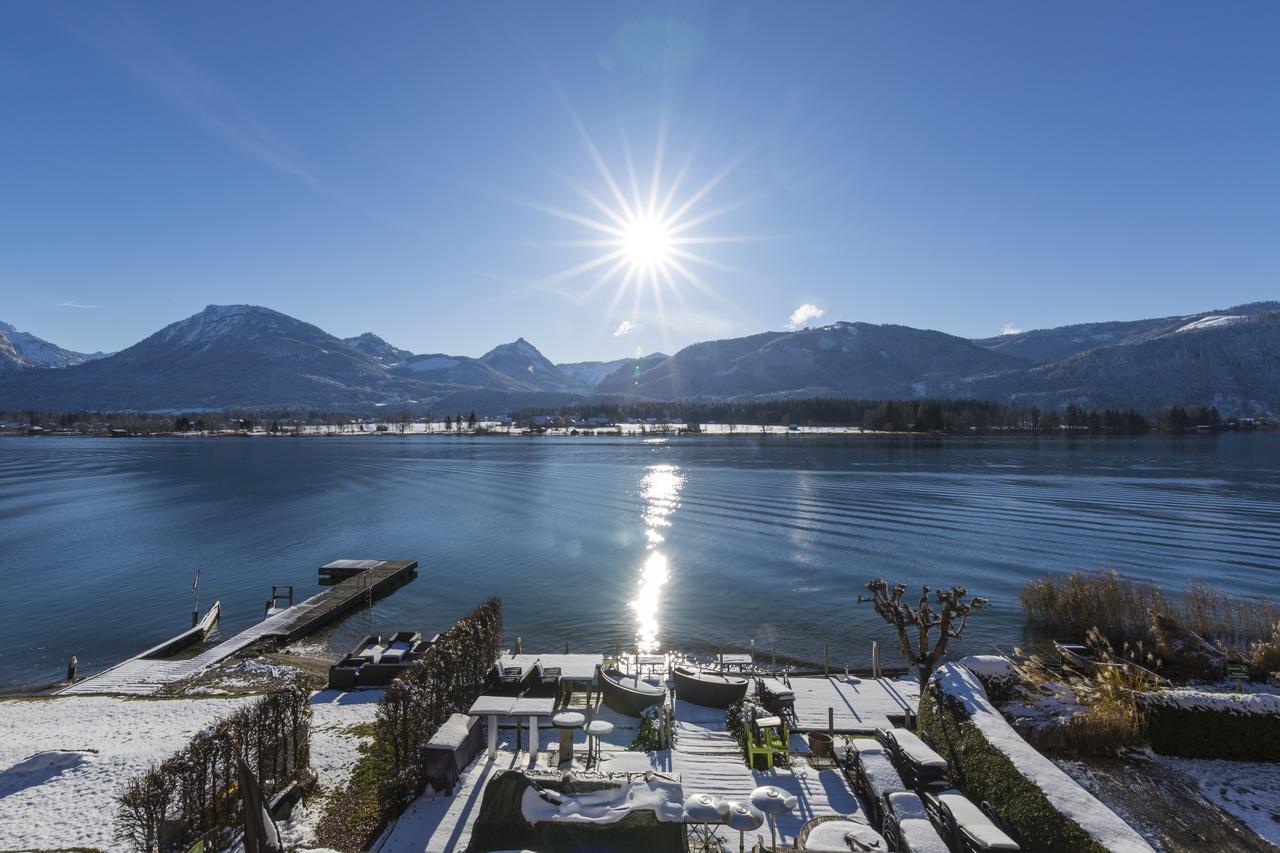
858 705
140 676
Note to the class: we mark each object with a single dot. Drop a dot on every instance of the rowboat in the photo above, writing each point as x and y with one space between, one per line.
1077 655
710 689
196 634
627 694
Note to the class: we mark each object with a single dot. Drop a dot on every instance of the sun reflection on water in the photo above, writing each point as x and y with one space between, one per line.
660 488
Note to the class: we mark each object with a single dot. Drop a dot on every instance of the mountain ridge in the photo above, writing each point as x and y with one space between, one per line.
23 349
243 356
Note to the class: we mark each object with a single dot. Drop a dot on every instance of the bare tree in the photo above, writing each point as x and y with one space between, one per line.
949 620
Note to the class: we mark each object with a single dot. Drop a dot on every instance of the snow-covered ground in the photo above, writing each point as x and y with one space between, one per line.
334 750
1248 791
1210 322
63 758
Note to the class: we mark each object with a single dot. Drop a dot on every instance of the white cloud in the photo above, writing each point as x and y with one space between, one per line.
802 315
1010 329
71 303
626 327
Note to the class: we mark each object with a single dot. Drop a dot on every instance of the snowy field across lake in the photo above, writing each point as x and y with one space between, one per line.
695 543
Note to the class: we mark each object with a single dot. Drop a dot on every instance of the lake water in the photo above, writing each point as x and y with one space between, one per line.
694 543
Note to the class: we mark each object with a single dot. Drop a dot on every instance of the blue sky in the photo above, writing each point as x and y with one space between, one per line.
421 170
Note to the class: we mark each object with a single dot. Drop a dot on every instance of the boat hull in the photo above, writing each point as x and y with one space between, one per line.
711 690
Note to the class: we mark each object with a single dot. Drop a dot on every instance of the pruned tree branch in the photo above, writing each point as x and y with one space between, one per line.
935 622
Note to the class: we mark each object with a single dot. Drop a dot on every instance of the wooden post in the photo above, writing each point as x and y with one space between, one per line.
71 668
566 647
517 645
831 727
875 659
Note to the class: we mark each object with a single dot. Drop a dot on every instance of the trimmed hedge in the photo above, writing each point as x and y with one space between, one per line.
986 774
194 793
1211 733
446 679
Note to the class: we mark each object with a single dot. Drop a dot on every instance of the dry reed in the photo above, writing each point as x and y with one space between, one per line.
1070 605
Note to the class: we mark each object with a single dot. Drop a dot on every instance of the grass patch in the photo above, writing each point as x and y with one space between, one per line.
361 729
987 774
353 815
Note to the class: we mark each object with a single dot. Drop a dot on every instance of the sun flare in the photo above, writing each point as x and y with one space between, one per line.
647 243
645 238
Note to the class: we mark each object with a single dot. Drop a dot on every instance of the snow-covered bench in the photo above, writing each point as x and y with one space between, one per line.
907 826
921 768
873 775
965 826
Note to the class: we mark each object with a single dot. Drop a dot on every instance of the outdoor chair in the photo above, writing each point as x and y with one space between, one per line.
767 737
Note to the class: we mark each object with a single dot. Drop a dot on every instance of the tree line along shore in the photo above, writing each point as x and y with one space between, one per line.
929 417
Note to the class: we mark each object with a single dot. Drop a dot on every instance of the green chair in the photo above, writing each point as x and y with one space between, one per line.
767 737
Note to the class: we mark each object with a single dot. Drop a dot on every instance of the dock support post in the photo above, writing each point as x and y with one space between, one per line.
533 741
875 659
831 727
71 668
517 645
493 736
826 659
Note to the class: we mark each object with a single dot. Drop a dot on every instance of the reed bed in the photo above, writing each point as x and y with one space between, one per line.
1214 615
1070 605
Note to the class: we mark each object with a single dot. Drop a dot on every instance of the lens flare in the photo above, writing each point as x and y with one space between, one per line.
644 238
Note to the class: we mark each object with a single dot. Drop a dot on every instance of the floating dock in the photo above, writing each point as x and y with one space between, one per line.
143 676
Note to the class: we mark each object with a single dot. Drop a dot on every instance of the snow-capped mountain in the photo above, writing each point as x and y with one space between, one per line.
240 356
1232 363
592 373
23 349
839 360
378 349
1045 346
521 360
228 355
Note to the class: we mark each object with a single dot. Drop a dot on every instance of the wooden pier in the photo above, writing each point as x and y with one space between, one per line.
143 676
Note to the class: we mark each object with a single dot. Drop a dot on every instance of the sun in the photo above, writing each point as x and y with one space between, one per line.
644 238
647 243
